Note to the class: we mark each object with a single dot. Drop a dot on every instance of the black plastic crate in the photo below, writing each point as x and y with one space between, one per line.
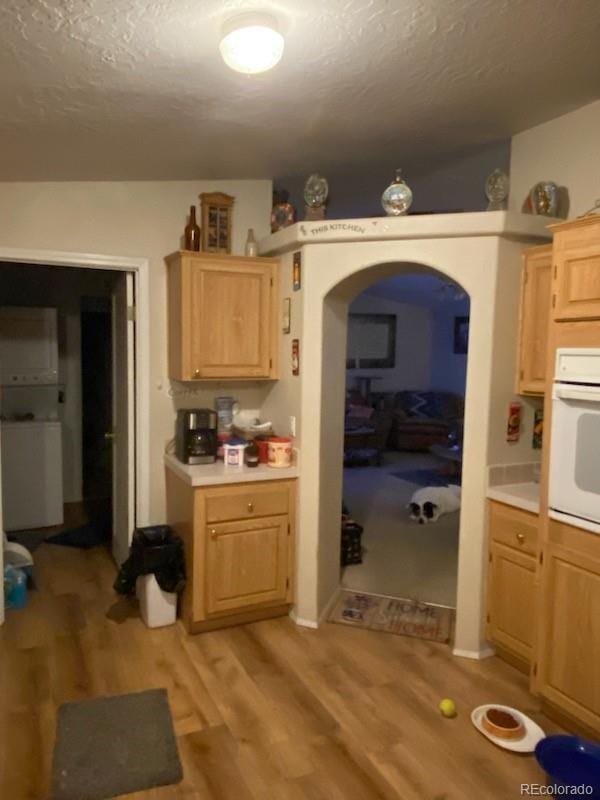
351 549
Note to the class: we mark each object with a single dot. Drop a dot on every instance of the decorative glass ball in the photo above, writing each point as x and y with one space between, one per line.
316 190
397 198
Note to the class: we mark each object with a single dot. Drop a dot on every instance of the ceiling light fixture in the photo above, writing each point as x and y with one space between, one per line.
251 43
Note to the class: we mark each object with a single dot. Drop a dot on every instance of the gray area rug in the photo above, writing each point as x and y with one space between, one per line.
110 746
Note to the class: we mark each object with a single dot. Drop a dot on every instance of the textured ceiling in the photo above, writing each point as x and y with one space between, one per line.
134 89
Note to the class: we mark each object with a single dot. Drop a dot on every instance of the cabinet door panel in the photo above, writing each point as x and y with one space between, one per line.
231 314
570 642
577 259
511 599
535 315
247 564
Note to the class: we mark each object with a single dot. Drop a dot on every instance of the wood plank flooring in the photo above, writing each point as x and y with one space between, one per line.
268 711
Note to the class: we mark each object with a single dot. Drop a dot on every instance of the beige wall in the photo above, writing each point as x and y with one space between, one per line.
282 398
135 219
565 150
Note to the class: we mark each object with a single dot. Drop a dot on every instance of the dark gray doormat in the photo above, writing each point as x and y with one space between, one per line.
114 745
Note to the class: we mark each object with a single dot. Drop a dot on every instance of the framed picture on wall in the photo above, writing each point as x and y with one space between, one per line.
461 335
371 341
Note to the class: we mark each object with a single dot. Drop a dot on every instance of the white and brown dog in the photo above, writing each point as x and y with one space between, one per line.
428 504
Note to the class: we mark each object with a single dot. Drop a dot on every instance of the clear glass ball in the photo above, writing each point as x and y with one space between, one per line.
397 198
316 190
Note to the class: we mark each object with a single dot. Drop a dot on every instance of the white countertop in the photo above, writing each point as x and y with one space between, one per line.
521 495
218 474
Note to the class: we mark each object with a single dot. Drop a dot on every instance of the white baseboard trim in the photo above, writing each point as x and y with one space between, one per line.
303 623
311 623
478 655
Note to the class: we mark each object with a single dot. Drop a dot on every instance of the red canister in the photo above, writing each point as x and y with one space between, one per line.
263 450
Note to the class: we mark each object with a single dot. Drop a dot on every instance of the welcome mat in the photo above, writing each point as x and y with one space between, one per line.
114 745
394 615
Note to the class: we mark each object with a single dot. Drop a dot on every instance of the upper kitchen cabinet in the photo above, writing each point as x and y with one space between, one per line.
536 290
576 289
222 317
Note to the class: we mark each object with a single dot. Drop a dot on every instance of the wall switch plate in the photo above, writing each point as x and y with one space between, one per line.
293 426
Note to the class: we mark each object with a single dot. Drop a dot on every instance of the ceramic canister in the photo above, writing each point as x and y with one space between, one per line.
280 451
233 454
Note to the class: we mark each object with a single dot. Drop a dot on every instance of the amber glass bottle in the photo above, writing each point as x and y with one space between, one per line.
192 232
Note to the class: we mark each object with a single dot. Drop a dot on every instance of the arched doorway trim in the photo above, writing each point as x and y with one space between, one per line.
487 266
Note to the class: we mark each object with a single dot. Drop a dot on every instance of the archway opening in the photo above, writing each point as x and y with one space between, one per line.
395 351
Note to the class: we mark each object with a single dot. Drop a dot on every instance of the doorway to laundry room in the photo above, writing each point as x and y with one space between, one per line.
67 375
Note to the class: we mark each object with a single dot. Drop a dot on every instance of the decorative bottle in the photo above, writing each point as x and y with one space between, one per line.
251 244
192 232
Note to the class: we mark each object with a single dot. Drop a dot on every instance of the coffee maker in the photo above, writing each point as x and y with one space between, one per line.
196 436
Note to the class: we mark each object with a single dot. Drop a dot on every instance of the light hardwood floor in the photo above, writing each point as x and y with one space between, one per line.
268 711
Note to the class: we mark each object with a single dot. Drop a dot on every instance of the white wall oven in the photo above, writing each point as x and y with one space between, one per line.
574 490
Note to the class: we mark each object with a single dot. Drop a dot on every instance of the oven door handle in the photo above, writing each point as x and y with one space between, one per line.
589 394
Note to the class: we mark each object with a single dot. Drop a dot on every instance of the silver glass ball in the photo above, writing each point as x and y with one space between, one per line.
397 198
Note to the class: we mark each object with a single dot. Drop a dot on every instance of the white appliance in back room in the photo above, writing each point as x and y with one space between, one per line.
32 476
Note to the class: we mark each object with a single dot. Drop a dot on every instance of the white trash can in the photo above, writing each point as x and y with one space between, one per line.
157 607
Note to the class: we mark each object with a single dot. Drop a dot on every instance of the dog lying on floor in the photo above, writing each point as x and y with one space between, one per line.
429 503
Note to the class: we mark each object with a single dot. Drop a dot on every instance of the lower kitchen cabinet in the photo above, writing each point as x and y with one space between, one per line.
247 564
568 656
239 547
513 536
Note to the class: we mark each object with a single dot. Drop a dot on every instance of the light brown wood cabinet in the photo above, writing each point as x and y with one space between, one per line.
239 547
536 292
576 275
222 317
568 654
513 537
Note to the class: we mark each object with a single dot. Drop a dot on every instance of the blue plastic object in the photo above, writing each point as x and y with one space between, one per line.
15 587
571 761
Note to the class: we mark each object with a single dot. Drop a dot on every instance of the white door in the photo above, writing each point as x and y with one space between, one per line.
123 433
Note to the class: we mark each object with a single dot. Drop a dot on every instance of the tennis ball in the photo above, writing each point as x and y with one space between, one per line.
448 708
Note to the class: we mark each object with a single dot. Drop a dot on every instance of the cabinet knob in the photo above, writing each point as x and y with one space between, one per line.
250 507
196 373
213 533
520 538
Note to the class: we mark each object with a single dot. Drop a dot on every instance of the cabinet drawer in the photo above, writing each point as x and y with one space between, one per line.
247 503
514 527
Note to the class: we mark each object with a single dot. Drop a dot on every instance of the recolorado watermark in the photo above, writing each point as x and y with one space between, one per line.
555 790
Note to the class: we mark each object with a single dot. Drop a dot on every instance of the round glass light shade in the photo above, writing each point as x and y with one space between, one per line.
251 44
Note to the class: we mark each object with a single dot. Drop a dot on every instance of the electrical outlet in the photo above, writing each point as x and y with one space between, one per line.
293 426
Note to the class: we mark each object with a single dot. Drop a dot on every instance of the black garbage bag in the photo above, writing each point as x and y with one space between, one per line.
154 550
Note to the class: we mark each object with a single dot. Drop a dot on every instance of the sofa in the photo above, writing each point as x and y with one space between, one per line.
421 419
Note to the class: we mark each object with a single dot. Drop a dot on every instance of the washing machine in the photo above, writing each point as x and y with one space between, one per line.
32 474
